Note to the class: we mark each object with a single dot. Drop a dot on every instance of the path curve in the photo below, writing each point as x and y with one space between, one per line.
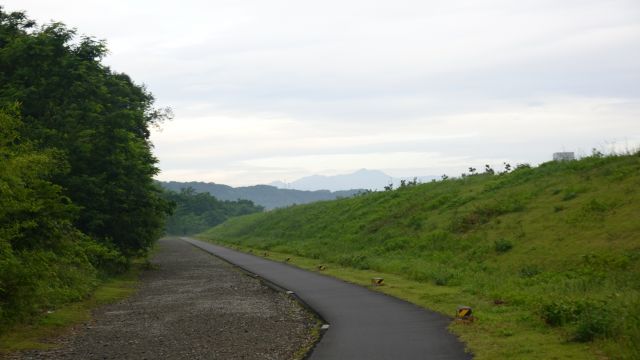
364 324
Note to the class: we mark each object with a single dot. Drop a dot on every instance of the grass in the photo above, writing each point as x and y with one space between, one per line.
38 333
548 257
312 340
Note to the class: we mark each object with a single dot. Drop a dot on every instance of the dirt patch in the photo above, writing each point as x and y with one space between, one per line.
191 306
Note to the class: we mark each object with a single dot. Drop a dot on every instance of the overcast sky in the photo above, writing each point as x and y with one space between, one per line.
276 90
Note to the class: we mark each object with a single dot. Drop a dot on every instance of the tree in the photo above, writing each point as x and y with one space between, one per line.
489 170
195 212
98 120
43 258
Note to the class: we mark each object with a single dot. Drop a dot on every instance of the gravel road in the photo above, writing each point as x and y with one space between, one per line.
191 306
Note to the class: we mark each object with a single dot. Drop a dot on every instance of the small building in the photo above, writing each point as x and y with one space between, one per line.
563 156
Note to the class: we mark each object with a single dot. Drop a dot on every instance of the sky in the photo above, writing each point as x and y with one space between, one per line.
277 90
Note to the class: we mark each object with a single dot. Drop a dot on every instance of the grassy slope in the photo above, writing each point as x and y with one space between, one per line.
549 258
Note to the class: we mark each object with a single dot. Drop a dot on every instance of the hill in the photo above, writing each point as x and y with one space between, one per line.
548 257
267 196
361 179
194 212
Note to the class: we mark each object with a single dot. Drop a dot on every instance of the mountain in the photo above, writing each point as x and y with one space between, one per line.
361 179
268 196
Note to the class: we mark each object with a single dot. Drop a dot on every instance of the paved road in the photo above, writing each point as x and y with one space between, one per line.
363 324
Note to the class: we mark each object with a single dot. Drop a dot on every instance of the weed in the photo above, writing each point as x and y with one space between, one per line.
484 213
502 245
415 223
595 321
528 271
596 206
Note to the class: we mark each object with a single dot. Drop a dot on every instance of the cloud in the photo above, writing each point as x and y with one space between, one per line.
287 148
266 90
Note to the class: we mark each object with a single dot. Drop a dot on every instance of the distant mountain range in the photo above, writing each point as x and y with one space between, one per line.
361 179
302 191
268 196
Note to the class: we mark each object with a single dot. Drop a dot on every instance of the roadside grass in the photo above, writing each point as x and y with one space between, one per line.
40 331
502 332
548 257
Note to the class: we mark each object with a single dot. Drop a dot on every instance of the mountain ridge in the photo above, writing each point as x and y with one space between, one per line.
359 179
270 197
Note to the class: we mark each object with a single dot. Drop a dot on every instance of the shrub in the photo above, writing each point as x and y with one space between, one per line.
357 261
561 312
415 223
107 260
443 276
502 245
587 319
595 321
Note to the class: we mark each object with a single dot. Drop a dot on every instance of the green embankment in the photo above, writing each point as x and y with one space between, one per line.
548 257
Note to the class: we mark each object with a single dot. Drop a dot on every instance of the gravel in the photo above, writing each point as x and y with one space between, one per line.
191 305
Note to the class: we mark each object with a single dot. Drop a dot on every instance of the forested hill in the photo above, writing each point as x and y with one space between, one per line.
195 212
77 195
267 196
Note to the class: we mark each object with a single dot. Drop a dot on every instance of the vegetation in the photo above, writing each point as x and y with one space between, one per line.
548 257
38 333
269 197
77 198
196 212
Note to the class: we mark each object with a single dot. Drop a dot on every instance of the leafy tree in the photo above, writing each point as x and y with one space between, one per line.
97 119
77 196
44 260
489 170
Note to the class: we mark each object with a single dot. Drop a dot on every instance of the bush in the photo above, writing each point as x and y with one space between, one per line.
587 319
107 260
357 261
561 312
502 245
596 321
443 275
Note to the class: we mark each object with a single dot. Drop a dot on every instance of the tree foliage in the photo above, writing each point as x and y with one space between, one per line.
77 195
97 119
195 212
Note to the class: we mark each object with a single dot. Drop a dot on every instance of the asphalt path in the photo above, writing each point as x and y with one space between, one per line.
364 324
